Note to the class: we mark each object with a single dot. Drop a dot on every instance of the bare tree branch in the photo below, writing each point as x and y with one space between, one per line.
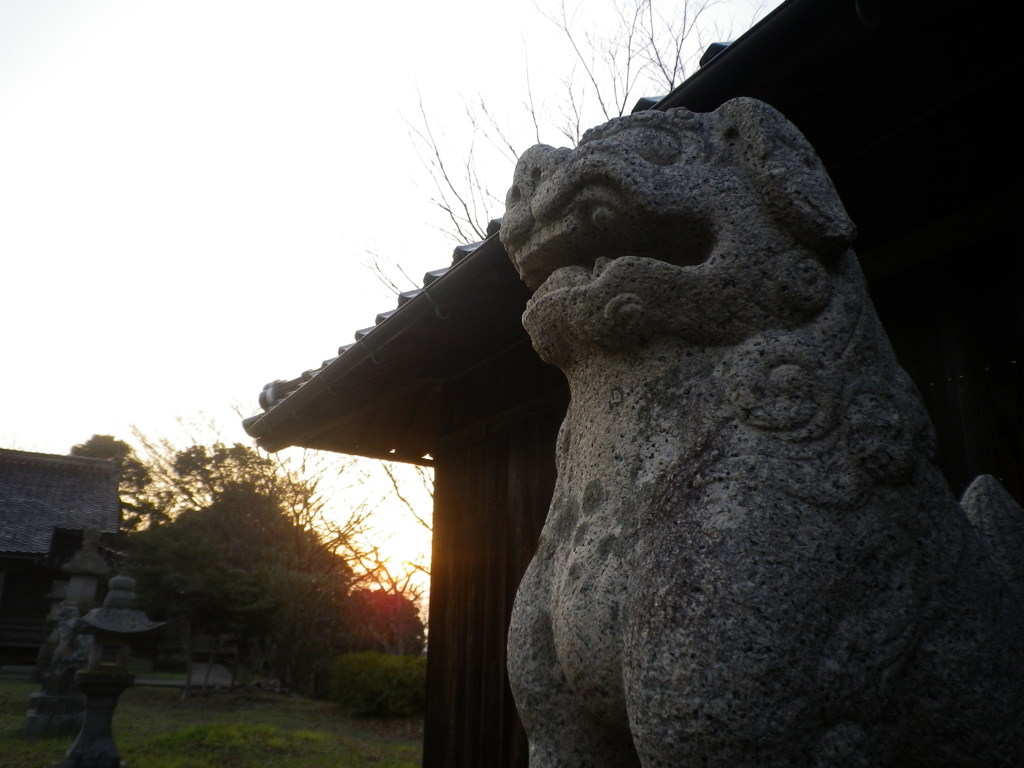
397 486
459 203
389 275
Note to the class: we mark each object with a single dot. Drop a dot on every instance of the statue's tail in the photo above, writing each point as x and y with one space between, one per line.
999 521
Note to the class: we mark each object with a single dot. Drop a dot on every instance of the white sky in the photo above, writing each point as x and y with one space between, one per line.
189 190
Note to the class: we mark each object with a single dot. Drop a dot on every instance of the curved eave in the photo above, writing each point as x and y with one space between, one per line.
381 396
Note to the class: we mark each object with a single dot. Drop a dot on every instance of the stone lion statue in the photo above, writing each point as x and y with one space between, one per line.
749 558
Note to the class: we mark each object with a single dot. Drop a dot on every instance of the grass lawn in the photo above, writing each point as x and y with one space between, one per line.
154 729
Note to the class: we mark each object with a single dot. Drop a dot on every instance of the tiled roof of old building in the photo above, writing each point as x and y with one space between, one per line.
479 285
40 492
276 391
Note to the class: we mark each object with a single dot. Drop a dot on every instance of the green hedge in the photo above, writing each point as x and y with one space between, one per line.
379 685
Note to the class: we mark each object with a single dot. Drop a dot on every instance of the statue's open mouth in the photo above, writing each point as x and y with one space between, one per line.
593 231
547 252
583 230
571 276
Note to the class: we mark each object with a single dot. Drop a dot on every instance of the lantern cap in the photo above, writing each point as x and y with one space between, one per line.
117 616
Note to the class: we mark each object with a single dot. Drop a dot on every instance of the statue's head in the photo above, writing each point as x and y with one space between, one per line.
671 185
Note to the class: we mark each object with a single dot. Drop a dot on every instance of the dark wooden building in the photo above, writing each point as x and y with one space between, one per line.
46 503
911 106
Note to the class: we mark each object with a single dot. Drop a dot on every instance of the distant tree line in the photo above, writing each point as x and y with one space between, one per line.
226 542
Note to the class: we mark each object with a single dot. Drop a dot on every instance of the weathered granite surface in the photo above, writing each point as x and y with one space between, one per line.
749 559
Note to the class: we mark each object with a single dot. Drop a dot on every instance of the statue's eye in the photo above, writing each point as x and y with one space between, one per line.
676 144
655 146
658 147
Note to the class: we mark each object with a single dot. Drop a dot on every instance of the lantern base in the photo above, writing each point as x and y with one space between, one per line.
94 747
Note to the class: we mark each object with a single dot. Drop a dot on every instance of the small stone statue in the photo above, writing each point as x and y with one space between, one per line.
58 707
750 558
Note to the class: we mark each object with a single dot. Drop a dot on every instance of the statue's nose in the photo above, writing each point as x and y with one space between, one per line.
535 165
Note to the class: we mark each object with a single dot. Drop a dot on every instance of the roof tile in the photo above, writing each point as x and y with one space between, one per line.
276 391
40 492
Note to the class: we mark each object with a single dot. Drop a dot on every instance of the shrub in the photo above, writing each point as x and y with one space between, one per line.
374 684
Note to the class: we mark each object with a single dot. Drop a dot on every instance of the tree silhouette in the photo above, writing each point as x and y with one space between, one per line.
247 553
141 505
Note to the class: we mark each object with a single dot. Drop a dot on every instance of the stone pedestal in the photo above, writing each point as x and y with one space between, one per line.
94 747
51 713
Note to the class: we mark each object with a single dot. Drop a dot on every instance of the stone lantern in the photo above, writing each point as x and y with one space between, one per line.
113 627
